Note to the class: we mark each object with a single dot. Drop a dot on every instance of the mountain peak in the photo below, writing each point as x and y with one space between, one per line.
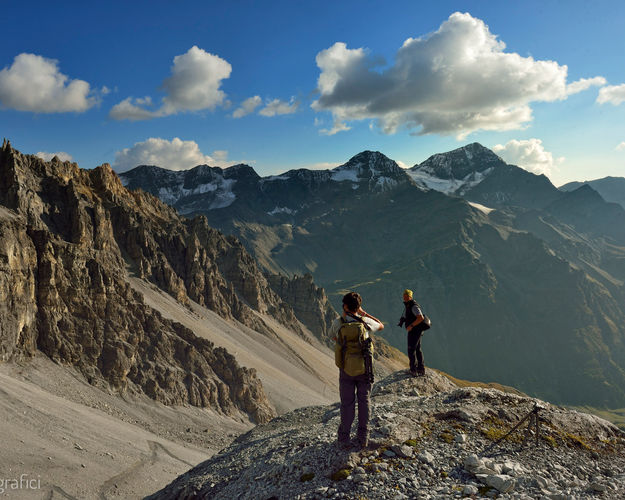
368 155
241 169
476 148
585 193
371 164
372 168
457 170
460 162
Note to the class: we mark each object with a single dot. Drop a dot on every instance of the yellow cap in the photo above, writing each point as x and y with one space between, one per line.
408 292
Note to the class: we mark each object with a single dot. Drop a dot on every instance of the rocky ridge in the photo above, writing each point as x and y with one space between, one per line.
611 189
309 302
461 162
240 190
434 440
68 239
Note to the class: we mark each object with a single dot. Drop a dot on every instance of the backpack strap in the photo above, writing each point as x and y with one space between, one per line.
359 319
343 342
343 322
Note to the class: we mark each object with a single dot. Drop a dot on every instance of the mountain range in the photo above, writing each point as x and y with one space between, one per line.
524 282
136 342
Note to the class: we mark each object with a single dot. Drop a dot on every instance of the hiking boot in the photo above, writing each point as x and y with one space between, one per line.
344 444
370 444
413 373
363 443
421 373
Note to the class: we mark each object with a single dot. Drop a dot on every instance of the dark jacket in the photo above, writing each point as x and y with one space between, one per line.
409 316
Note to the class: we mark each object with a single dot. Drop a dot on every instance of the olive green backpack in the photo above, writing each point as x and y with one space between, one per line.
348 350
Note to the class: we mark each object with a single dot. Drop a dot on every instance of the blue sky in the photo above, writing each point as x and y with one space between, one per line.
291 84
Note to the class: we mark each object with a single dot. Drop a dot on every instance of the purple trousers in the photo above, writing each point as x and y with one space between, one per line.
349 389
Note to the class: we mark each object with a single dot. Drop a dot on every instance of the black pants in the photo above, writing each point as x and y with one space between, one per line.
414 350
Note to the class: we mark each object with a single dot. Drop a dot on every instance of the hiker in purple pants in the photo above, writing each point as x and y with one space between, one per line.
350 331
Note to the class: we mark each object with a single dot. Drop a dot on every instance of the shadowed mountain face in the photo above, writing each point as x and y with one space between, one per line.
526 293
611 189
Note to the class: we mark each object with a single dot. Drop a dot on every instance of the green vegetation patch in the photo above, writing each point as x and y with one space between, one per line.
550 440
494 429
577 441
446 436
341 474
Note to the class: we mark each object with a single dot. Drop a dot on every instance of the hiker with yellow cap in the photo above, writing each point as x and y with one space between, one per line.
413 318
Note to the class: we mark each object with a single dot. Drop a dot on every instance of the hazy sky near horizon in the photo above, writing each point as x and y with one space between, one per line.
286 84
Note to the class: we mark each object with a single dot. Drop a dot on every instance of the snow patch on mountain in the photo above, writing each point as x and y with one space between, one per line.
222 188
381 173
386 183
223 200
425 177
282 210
439 163
482 208
429 181
345 175
473 179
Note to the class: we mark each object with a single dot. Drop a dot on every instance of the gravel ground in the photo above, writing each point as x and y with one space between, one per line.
430 439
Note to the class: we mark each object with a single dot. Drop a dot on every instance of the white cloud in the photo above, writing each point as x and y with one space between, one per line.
195 81
220 155
278 107
61 155
621 146
454 81
247 107
34 83
174 155
613 94
584 84
194 85
336 128
126 110
530 155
